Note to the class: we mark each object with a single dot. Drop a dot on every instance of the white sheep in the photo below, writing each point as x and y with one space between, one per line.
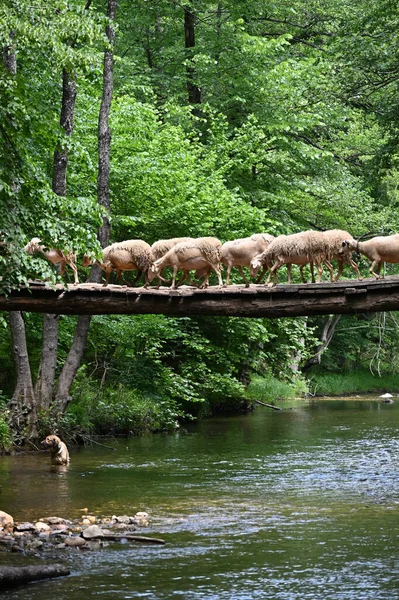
239 253
130 255
196 254
334 250
161 247
53 255
308 247
380 249
294 249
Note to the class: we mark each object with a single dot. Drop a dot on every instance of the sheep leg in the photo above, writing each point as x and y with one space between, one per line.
272 271
218 273
304 280
289 272
135 280
243 276
107 276
356 268
340 268
371 270
319 268
74 269
330 268
262 273
61 265
175 269
228 275
311 266
185 276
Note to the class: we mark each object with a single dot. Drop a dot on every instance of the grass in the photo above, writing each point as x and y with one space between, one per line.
269 389
359 382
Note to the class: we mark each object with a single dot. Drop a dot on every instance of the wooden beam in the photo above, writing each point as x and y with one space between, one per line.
344 297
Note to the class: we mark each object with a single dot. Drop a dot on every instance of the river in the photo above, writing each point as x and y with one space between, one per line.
297 504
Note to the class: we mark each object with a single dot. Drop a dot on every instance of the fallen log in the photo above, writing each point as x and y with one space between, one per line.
268 405
13 576
116 537
145 539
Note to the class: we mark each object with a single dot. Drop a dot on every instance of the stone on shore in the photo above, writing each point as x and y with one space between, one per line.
93 532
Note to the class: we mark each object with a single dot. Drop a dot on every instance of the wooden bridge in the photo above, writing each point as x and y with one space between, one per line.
344 297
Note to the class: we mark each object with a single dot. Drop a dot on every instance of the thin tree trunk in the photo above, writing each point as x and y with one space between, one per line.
71 365
194 92
68 373
66 122
23 402
326 337
9 57
48 362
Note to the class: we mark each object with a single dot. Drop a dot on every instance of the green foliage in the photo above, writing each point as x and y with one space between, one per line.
5 436
356 382
270 389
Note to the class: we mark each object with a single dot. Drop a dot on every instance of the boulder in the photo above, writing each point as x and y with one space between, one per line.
42 527
93 532
25 527
75 541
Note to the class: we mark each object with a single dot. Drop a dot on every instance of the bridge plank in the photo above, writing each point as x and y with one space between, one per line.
343 297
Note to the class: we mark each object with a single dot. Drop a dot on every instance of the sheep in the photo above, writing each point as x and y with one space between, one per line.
130 255
383 248
239 253
161 247
334 250
289 249
53 255
313 247
201 253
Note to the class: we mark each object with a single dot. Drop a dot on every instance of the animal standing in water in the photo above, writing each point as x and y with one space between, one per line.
59 454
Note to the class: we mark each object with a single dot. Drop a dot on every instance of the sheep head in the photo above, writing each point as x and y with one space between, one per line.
32 246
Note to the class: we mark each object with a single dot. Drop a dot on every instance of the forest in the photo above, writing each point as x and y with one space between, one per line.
126 119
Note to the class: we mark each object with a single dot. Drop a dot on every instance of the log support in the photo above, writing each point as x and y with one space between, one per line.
346 297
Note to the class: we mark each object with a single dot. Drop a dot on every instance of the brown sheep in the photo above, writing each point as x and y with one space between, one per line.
196 254
53 255
380 249
130 255
239 253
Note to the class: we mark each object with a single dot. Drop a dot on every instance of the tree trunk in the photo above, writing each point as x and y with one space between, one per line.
66 122
23 402
13 576
326 337
194 92
71 365
9 57
68 373
48 362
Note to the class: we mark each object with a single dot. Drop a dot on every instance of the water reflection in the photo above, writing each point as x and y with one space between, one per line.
295 504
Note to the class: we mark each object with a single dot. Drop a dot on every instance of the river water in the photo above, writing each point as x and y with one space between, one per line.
291 505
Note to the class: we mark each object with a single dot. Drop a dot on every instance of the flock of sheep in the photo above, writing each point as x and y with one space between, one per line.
259 252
